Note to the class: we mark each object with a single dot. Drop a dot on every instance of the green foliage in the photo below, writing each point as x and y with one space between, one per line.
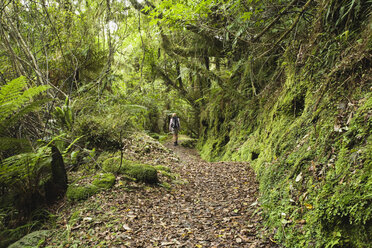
189 143
103 128
13 96
341 15
9 236
256 80
162 168
166 185
15 103
64 115
313 162
80 190
25 172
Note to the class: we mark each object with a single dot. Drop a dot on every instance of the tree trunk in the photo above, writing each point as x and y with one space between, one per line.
56 187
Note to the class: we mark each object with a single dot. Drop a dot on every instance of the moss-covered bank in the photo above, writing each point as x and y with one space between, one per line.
308 136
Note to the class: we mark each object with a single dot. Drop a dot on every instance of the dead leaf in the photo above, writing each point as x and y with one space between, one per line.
127 228
308 206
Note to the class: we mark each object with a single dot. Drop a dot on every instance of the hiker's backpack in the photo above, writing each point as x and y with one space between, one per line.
175 123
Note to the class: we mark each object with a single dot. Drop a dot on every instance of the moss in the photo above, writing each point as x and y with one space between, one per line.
78 193
163 138
166 185
307 169
33 239
141 172
105 181
9 236
162 168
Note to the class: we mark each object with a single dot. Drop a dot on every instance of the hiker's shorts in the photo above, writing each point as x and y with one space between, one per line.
174 130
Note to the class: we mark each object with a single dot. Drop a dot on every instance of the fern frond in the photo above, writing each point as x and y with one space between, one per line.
7 143
34 106
72 143
11 89
34 91
12 96
25 166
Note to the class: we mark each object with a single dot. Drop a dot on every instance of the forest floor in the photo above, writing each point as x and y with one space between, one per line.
212 205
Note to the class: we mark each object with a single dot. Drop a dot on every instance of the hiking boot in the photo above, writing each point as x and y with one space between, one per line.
175 143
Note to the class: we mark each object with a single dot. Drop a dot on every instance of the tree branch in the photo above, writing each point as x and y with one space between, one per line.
180 89
210 37
256 37
289 30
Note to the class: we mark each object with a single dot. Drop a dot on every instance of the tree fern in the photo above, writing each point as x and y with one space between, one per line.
13 97
26 170
15 103
10 143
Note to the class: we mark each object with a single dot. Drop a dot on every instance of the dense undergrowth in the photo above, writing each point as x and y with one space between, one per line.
308 136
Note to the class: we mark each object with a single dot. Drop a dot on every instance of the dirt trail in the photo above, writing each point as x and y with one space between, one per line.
213 209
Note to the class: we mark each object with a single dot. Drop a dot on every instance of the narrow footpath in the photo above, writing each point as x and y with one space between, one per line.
214 205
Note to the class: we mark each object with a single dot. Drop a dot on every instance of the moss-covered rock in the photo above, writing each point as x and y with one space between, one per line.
77 193
33 239
141 172
104 181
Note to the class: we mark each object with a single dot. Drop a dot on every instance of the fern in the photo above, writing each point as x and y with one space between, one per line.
31 107
7 143
64 115
25 171
15 103
347 13
13 98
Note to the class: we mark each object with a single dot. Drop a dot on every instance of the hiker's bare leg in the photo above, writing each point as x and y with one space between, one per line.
175 138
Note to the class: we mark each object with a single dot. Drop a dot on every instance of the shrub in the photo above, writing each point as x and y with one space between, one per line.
99 132
103 124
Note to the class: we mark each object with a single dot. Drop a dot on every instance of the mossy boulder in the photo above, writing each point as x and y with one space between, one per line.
104 181
81 191
78 193
141 172
110 162
33 239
